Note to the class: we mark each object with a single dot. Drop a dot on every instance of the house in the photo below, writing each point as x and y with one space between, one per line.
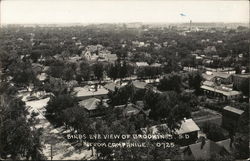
128 109
187 128
88 91
204 150
42 77
91 105
230 117
87 55
111 58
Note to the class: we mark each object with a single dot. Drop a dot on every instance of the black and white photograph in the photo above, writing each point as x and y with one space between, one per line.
124 80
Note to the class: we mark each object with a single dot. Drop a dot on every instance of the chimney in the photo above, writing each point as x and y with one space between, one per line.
203 142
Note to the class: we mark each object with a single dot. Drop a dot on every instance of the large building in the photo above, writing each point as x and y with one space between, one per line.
222 92
239 78
230 117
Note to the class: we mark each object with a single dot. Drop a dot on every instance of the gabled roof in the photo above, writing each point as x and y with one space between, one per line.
129 109
234 110
187 126
91 103
208 149
226 145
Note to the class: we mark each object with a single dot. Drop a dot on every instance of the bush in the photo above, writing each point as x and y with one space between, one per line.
213 131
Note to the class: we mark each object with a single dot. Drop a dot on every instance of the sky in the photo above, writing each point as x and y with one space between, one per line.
122 11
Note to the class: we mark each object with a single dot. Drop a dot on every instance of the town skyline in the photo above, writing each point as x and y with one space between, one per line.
55 12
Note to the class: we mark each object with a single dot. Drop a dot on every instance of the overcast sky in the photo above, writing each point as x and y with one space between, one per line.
109 11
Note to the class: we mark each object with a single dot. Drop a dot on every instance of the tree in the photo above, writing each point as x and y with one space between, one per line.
85 70
151 99
98 70
171 82
56 86
58 103
194 81
17 137
113 71
213 131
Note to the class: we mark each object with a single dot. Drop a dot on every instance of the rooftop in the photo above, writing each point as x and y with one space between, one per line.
89 91
234 110
187 126
91 103
208 83
224 92
155 65
139 84
111 86
247 75
208 149
226 145
141 64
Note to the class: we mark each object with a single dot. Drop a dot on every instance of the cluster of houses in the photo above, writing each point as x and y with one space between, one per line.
197 146
223 85
98 53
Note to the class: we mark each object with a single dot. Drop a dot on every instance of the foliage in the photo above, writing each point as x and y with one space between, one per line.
213 131
170 82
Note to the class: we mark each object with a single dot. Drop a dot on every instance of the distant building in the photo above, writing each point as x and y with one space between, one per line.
87 55
42 77
111 58
157 65
128 109
141 64
230 117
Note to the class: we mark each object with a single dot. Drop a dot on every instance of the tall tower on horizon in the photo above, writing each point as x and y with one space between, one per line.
190 25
